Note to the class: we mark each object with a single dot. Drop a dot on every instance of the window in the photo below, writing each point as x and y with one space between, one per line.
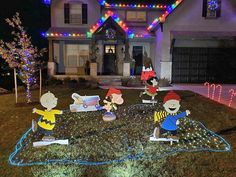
211 8
137 16
76 55
76 13
110 49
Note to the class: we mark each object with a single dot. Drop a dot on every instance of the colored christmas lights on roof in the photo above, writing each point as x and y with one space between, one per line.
63 35
163 17
76 35
135 6
116 19
47 2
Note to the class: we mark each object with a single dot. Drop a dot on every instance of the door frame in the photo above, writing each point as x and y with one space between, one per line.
115 54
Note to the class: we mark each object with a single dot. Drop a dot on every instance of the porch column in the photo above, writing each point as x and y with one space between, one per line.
50 52
51 63
61 64
126 65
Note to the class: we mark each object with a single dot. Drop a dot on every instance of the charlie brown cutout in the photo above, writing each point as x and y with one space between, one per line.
115 96
171 104
47 123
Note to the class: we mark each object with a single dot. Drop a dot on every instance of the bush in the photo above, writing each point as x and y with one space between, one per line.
82 80
53 81
93 83
124 81
134 82
163 82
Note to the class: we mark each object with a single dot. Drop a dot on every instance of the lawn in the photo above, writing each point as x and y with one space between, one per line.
93 140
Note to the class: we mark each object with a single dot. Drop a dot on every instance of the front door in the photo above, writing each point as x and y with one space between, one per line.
138 57
109 60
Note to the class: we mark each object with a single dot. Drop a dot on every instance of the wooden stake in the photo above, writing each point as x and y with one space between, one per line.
40 83
15 81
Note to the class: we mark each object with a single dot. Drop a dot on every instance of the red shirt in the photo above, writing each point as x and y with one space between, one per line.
152 89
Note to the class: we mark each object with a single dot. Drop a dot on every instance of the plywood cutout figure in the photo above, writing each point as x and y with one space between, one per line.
115 97
148 76
46 123
85 103
168 120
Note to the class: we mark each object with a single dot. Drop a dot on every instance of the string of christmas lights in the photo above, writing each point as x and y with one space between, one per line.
163 17
77 35
194 136
116 19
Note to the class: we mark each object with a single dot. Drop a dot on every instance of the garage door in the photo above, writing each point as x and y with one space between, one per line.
198 65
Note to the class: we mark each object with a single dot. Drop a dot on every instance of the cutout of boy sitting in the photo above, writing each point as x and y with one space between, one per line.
46 124
115 96
171 104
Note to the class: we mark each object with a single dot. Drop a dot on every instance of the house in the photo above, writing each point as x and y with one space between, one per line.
189 41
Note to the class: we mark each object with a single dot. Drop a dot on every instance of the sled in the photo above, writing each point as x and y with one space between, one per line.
46 143
171 140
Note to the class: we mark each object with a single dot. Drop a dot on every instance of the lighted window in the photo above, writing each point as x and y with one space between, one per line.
137 16
110 49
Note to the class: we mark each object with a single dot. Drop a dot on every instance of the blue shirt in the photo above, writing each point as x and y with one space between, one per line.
170 121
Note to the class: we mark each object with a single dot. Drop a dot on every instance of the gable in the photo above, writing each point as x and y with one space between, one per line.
104 18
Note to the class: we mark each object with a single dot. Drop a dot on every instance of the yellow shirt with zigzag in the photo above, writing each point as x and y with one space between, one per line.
48 120
160 116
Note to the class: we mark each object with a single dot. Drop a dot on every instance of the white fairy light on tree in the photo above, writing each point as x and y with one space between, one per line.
21 55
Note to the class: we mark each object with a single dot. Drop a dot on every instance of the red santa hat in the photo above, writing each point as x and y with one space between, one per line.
113 91
171 95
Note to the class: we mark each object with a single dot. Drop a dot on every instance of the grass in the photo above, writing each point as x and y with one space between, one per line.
89 131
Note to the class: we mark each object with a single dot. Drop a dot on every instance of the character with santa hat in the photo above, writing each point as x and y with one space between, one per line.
168 120
115 97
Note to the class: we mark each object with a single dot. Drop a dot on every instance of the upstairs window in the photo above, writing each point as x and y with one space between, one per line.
211 8
136 16
76 13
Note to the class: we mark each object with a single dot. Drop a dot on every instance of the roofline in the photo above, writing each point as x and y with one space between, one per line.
161 19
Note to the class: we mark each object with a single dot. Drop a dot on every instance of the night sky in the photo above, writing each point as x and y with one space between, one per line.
34 15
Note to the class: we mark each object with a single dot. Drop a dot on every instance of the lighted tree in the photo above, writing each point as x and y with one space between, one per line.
21 54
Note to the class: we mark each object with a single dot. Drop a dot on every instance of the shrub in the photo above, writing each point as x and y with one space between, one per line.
93 83
82 80
124 81
53 81
164 82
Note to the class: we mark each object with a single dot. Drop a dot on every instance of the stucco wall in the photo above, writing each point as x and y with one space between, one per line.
57 13
188 17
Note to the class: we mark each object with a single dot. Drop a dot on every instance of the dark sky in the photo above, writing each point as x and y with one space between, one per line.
34 15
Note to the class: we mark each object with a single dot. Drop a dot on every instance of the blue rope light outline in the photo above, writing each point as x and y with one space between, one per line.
19 146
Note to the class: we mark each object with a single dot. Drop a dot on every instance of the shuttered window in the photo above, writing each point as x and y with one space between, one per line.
76 13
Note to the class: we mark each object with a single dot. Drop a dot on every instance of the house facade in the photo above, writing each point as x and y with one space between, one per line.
183 40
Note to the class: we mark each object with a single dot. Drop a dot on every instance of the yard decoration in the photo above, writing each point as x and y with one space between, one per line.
46 123
168 120
85 103
214 87
95 143
115 97
233 94
148 76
